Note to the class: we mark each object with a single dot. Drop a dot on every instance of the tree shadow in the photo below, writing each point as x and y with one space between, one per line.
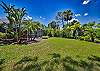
71 63
68 67
1 64
87 66
67 64
94 58
27 64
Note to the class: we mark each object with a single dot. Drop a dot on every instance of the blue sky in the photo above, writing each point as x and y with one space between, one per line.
45 10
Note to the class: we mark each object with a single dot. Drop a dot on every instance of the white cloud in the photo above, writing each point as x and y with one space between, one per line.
85 14
42 18
73 19
77 15
28 18
86 2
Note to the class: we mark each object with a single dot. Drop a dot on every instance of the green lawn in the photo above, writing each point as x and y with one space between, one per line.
70 47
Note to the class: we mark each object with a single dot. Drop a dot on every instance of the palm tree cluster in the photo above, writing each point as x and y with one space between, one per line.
18 26
72 28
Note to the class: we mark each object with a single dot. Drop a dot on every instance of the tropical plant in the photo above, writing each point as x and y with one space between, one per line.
98 33
15 17
2 35
53 25
64 16
89 31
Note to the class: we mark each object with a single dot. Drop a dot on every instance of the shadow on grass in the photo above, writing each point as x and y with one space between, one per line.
1 64
94 58
66 64
27 64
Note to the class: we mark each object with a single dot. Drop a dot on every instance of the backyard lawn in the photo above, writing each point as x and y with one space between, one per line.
76 49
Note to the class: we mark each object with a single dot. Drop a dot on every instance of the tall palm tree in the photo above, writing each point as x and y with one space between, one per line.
64 16
14 16
18 15
8 10
67 15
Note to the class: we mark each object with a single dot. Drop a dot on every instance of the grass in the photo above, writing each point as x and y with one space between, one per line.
70 47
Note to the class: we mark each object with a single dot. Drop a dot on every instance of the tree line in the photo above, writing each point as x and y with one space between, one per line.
72 28
20 28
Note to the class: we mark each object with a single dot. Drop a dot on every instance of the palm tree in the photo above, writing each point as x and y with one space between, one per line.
8 10
29 27
14 16
18 15
52 24
64 16
67 15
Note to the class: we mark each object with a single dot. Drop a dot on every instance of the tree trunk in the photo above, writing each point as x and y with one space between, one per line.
92 39
27 35
19 34
63 22
16 35
6 34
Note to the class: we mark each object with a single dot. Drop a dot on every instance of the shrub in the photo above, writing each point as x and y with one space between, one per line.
45 37
50 32
98 33
56 33
81 37
2 35
87 38
10 35
45 32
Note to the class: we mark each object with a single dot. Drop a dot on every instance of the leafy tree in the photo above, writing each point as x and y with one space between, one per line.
50 32
64 16
72 30
98 33
89 31
53 25
98 25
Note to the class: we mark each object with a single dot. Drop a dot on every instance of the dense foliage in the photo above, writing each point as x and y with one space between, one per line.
73 29
20 28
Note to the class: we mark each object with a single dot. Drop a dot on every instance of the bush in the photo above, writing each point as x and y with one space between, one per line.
10 35
56 33
2 35
98 33
81 37
45 37
45 32
87 38
50 32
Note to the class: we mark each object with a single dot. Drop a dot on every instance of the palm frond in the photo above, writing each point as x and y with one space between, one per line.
3 7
